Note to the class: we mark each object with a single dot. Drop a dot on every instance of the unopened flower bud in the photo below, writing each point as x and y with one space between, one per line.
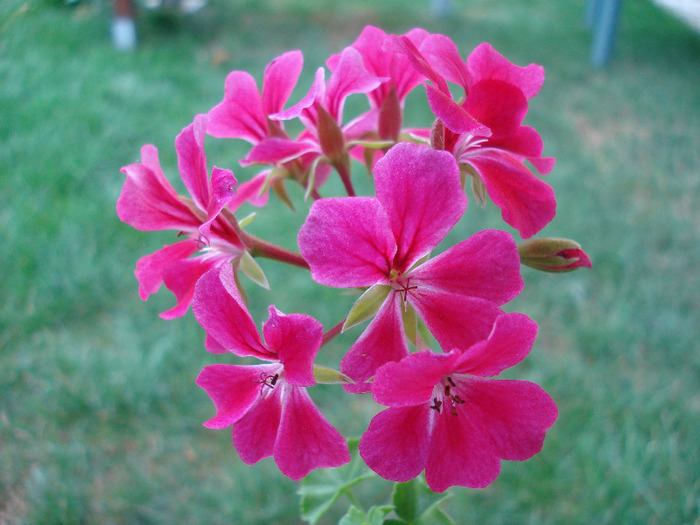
551 254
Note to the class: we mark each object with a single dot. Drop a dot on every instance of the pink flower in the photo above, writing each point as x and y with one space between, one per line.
148 202
244 111
448 418
267 404
321 112
380 242
388 98
485 131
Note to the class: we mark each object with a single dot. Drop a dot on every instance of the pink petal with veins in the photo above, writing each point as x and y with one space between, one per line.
420 190
347 242
240 115
305 439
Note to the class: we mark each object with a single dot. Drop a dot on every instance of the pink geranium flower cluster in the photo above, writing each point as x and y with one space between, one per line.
438 334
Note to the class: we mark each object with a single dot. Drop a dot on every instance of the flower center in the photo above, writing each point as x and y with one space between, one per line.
267 380
445 396
401 284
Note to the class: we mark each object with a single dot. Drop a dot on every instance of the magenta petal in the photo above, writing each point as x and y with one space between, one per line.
454 116
306 440
461 453
251 192
349 77
223 190
420 190
254 435
277 150
151 268
509 343
280 78
296 339
347 242
403 44
214 346
486 63
411 380
486 265
397 443
514 414
317 91
192 161
218 307
240 115
383 341
498 105
456 321
443 54
526 202
148 202
181 278
233 390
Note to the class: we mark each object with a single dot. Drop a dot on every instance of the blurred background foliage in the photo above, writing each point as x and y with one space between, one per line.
100 419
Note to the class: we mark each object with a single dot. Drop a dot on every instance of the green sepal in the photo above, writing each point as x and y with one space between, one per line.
328 376
280 189
367 305
410 323
311 178
252 270
245 221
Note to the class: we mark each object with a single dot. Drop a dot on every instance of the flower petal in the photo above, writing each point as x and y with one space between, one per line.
296 339
454 116
403 44
420 190
526 202
232 389
218 307
148 202
151 268
240 114
277 150
486 63
280 78
456 321
306 440
460 453
498 105
486 265
347 242
223 190
254 435
192 162
181 278
509 343
411 380
396 444
514 414
443 54
349 77
383 341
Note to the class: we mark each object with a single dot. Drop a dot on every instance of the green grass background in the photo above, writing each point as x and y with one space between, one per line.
100 419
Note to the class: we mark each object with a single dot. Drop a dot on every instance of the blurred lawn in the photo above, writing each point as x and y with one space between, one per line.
100 420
